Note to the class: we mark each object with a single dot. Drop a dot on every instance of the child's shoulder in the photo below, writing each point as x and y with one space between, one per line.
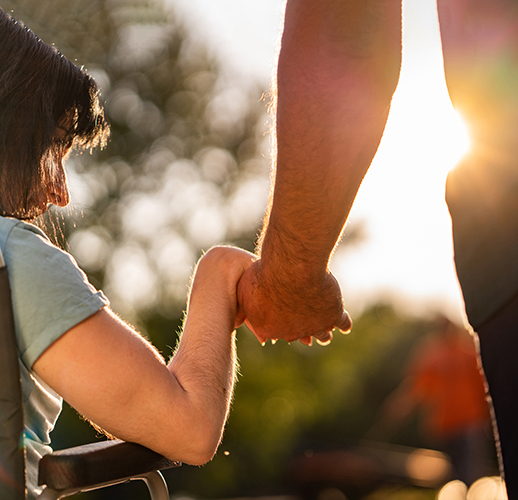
9 224
15 234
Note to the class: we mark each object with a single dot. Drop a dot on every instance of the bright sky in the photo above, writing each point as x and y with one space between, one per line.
407 254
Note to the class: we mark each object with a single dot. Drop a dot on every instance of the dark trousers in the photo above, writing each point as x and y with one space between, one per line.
498 340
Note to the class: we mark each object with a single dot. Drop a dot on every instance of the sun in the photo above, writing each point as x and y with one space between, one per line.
424 131
450 133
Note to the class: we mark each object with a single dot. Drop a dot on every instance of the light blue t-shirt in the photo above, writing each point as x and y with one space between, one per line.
50 295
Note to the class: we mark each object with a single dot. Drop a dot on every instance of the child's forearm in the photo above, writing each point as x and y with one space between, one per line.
204 366
204 363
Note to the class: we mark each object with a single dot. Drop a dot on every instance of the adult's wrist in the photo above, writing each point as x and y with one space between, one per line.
286 252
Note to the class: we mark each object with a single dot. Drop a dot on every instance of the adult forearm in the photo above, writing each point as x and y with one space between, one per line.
338 68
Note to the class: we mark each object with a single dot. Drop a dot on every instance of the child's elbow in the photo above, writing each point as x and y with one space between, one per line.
200 446
208 441
201 456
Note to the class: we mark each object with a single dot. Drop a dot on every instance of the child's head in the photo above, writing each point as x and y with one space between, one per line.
47 105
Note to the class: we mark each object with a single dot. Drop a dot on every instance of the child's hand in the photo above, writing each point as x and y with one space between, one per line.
214 287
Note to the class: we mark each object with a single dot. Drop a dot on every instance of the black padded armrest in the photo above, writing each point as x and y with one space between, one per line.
98 463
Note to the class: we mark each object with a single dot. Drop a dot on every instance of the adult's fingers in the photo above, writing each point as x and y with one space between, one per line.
262 340
324 338
308 340
345 324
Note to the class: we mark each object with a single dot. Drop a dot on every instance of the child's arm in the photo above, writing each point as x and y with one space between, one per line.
116 379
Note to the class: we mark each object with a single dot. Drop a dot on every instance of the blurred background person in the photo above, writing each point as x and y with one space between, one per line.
443 384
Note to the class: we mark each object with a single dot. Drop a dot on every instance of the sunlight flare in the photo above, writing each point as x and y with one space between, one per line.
456 139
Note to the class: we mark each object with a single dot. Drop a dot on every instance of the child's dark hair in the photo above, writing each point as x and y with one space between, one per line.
47 104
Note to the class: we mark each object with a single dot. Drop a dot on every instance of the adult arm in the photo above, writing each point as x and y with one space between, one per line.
338 68
111 375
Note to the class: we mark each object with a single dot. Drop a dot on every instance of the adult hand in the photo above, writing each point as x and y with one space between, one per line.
291 308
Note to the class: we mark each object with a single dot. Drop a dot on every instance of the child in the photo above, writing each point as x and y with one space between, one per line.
71 345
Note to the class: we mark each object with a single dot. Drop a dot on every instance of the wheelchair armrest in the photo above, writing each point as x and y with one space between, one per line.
97 463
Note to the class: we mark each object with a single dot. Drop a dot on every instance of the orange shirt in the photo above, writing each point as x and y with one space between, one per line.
447 381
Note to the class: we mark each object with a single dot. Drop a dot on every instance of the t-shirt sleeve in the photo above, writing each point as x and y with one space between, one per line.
50 293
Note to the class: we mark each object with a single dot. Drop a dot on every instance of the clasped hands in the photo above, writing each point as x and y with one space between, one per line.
275 305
